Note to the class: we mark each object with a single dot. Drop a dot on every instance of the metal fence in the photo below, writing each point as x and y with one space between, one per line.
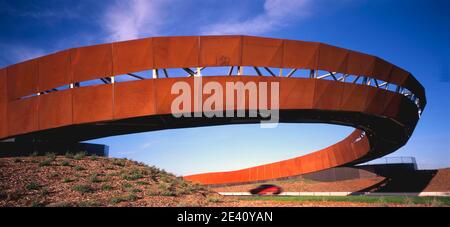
393 160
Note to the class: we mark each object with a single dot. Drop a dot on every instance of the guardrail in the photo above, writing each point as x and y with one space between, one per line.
392 160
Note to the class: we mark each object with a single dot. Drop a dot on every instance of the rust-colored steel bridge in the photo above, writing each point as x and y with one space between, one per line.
125 87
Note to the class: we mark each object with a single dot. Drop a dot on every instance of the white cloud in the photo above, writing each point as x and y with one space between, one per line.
277 13
133 19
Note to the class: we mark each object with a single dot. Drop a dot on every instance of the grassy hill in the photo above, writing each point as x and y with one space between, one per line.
80 180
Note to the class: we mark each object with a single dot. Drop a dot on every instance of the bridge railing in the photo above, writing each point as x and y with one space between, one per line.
393 160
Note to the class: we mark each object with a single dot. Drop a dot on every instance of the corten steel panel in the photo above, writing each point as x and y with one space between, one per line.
349 154
299 54
413 85
297 168
298 163
352 139
381 69
319 164
261 175
339 152
345 151
299 89
398 76
220 177
54 70
258 51
252 174
258 173
229 104
389 96
302 164
134 98
176 52
164 97
235 175
197 178
248 82
3 91
376 101
55 109
200 178
232 175
354 97
220 50
22 116
245 175
348 143
360 145
277 169
132 56
360 64
3 121
327 95
3 104
406 108
332 59
393 106
22 79
332 158
216 177
92 62
92 104
324 157
223 176
228 177
209 177
289 167
308 163
268 171
222 81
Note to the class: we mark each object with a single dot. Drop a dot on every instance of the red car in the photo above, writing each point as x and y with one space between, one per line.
266 189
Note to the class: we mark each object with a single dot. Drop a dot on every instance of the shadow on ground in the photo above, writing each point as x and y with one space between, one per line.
408 181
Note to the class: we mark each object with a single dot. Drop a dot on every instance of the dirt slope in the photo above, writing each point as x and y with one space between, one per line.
94 181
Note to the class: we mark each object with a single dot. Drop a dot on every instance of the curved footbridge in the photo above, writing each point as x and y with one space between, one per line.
126 87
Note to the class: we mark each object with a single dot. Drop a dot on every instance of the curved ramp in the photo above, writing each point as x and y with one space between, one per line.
41 99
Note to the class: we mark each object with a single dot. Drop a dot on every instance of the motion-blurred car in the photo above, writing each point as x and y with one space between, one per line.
266 189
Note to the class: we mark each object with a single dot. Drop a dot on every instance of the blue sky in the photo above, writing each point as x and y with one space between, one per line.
410 33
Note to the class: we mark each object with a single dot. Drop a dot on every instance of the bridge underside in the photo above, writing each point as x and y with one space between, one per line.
384 135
